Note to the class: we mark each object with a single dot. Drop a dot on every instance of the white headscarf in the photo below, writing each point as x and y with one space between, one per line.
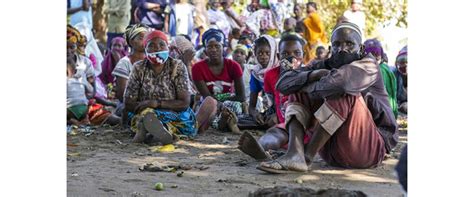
259 71
91 47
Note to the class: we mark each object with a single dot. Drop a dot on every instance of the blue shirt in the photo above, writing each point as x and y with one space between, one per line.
255 85
149 17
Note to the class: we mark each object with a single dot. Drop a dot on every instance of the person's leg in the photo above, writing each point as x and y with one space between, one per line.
205 113
294 157
113 120
273 138
346 135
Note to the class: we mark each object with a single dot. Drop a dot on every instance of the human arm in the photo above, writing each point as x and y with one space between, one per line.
351 79
252 111
121 83
230 13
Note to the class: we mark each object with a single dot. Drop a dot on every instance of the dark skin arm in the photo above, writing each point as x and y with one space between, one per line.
239 90
121 84
180 104
229 13
202 88
167 20
252 104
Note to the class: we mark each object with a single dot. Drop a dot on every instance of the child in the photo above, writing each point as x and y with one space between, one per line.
234 38
240 55
321 53
77 86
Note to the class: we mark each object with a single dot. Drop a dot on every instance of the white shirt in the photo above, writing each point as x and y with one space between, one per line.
184 12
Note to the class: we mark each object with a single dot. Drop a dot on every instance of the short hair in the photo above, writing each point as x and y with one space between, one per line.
313 4
290 37
320 48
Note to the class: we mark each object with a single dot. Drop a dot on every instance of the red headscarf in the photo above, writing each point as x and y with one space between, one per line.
155 34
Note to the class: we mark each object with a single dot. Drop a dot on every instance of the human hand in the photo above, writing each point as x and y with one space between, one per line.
146 104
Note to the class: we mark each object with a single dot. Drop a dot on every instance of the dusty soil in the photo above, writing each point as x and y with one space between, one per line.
105 163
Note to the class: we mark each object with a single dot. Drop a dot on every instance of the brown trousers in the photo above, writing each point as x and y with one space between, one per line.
355 141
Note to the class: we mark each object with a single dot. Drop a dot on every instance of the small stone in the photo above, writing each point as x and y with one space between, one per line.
74 174
174 186
128 171
299 181
180 174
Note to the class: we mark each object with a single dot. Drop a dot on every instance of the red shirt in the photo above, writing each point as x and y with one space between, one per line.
269 86
224 81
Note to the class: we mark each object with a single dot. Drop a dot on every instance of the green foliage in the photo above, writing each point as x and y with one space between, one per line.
376 12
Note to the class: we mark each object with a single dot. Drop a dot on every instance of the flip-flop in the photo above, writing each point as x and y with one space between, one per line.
284 169
258 152
156 128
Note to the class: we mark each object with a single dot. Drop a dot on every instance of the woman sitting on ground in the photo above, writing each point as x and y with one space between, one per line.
134 35
157 95
219 81
117 50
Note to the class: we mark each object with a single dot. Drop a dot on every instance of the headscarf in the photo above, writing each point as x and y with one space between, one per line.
108 65
259 71
72 34
373 46
181 44
213 34
133 30
91 47
154 34
402 55
243 48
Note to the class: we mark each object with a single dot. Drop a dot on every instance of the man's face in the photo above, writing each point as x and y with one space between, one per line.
355 7
263 54
214 50
292 49
346 47
239 56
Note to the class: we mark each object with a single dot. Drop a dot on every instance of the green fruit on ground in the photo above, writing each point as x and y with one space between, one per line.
159 186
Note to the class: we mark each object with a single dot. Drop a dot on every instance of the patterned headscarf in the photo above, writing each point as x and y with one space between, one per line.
73 34
182 44
213 34
243 48
133 30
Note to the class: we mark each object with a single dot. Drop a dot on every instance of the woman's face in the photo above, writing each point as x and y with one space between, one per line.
156 45
137 42
117 46
214 50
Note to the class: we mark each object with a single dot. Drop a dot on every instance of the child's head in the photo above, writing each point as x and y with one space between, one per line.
262 51
291 46
240 54
321 53
289 24
236 33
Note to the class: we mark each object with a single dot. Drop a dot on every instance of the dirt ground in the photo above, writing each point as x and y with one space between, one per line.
105 163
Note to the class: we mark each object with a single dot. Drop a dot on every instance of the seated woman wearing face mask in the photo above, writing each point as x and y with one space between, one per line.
157 94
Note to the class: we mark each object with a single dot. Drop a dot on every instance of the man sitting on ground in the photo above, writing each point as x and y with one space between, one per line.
343 104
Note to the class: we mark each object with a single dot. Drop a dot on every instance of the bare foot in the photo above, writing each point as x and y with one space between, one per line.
249 145
287 163
140 135
232 123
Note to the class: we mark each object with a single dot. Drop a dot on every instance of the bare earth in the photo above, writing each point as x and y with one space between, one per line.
105 163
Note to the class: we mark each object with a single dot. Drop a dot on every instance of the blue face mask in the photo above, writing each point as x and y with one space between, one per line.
159 57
